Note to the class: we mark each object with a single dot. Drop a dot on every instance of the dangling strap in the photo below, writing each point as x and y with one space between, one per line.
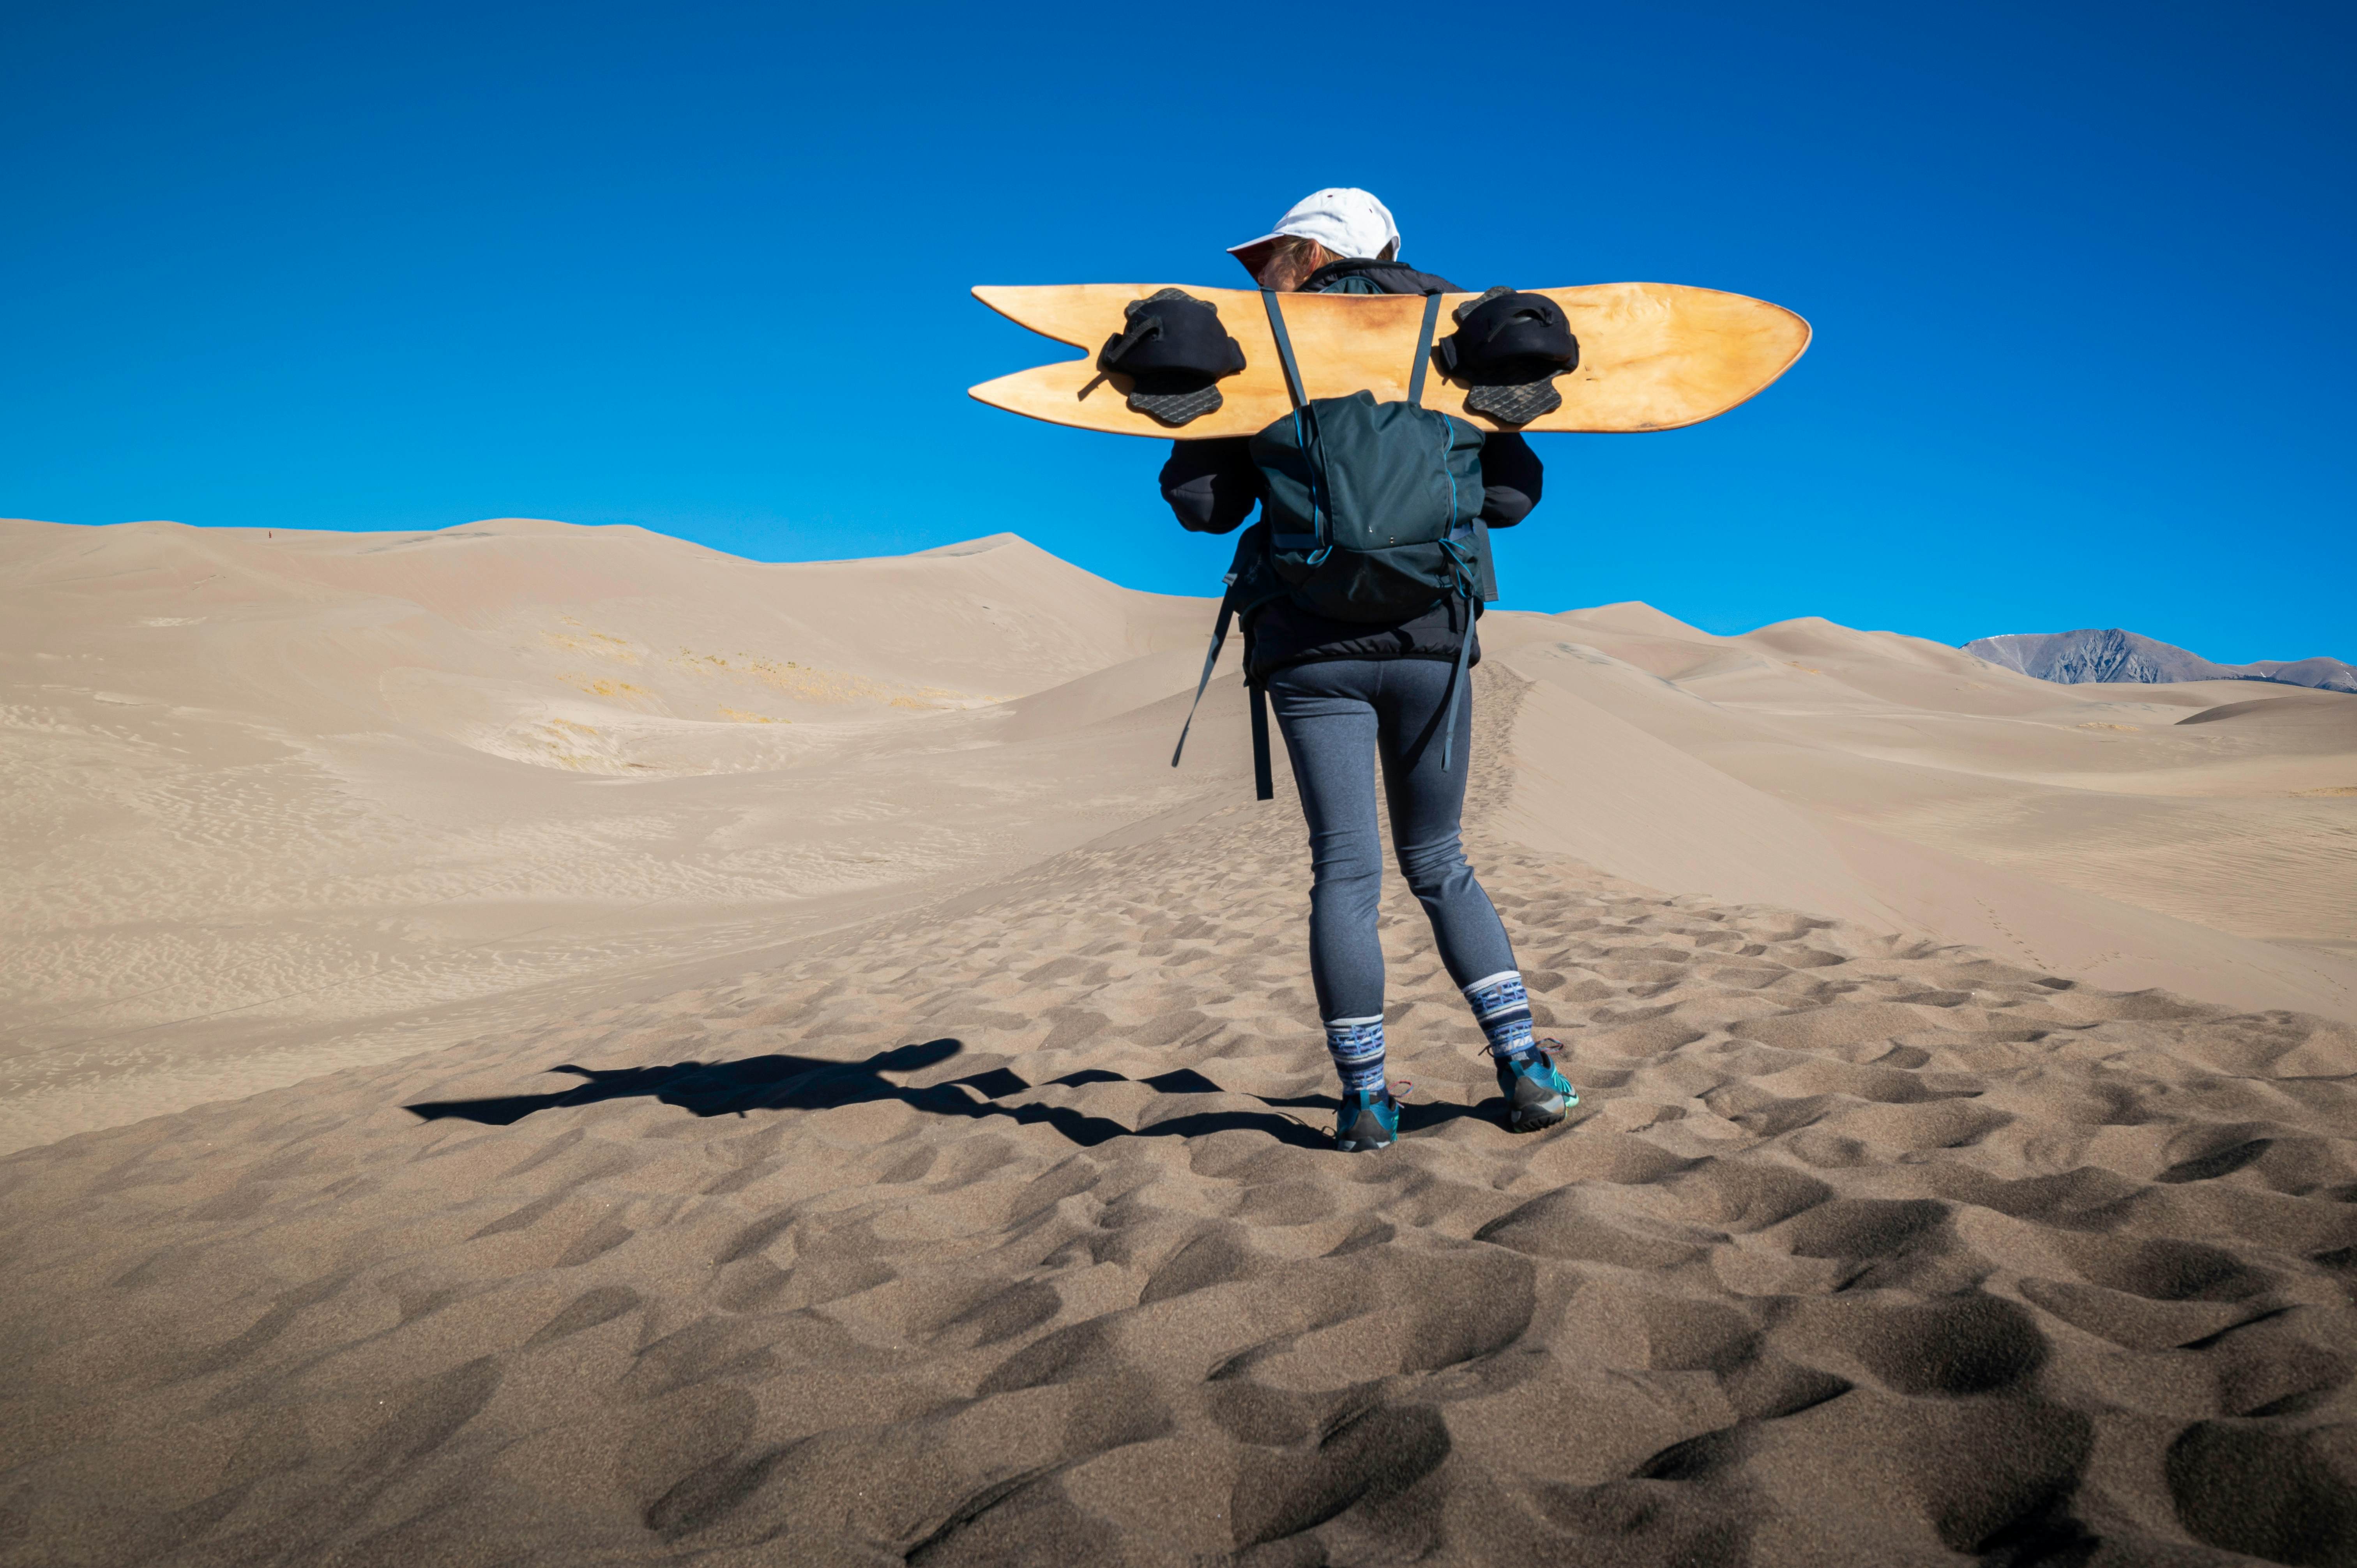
1484 568
1263 783
1423 349
1455 688
1218 636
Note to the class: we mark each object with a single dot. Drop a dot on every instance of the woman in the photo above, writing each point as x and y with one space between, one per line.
1347 694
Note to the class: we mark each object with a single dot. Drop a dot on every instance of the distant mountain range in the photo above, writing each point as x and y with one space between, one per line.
2076 658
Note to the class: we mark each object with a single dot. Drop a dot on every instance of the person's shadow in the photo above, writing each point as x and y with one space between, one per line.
808 1083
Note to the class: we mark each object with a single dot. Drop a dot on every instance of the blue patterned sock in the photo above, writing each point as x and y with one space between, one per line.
1503 1008
1356 1046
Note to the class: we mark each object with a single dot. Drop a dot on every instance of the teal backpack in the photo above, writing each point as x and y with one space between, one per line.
1372 513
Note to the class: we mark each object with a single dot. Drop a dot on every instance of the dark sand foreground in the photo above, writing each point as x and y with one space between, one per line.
1003 1231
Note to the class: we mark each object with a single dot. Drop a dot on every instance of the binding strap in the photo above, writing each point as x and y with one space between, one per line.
1423 350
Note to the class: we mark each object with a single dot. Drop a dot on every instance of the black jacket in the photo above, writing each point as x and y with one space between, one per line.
1213 486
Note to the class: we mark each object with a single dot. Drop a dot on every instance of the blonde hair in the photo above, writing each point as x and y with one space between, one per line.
1301 251
1291 259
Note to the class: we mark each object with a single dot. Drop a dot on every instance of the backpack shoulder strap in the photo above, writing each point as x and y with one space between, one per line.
1293 370
1423 349
1307 434
1283 346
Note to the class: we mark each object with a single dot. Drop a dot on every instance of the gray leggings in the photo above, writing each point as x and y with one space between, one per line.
1339 717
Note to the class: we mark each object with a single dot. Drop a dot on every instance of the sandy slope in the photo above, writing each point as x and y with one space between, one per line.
273 806
2133 837
769 1203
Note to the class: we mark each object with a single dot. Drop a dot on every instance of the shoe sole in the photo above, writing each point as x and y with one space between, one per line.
1532 1118
1356 1140
1535 1119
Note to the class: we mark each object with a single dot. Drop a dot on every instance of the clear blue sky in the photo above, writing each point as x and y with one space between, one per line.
2080 275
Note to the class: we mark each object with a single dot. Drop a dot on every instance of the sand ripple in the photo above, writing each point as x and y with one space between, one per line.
1006 1231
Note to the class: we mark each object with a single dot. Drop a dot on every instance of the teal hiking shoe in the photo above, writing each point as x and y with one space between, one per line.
1537 1094
1368 1122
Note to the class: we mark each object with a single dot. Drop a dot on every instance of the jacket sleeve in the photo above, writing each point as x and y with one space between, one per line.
1510 479
1212 485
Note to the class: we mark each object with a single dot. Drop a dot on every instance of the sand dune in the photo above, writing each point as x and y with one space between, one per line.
1890 783
893 1132
278 805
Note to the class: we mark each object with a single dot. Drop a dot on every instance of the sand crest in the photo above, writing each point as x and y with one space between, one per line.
998 1222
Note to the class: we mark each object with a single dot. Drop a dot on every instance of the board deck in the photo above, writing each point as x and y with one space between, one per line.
1652 355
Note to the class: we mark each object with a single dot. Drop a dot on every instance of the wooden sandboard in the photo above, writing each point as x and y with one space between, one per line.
1652 355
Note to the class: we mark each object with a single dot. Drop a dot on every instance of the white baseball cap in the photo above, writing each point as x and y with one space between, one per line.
1348 221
